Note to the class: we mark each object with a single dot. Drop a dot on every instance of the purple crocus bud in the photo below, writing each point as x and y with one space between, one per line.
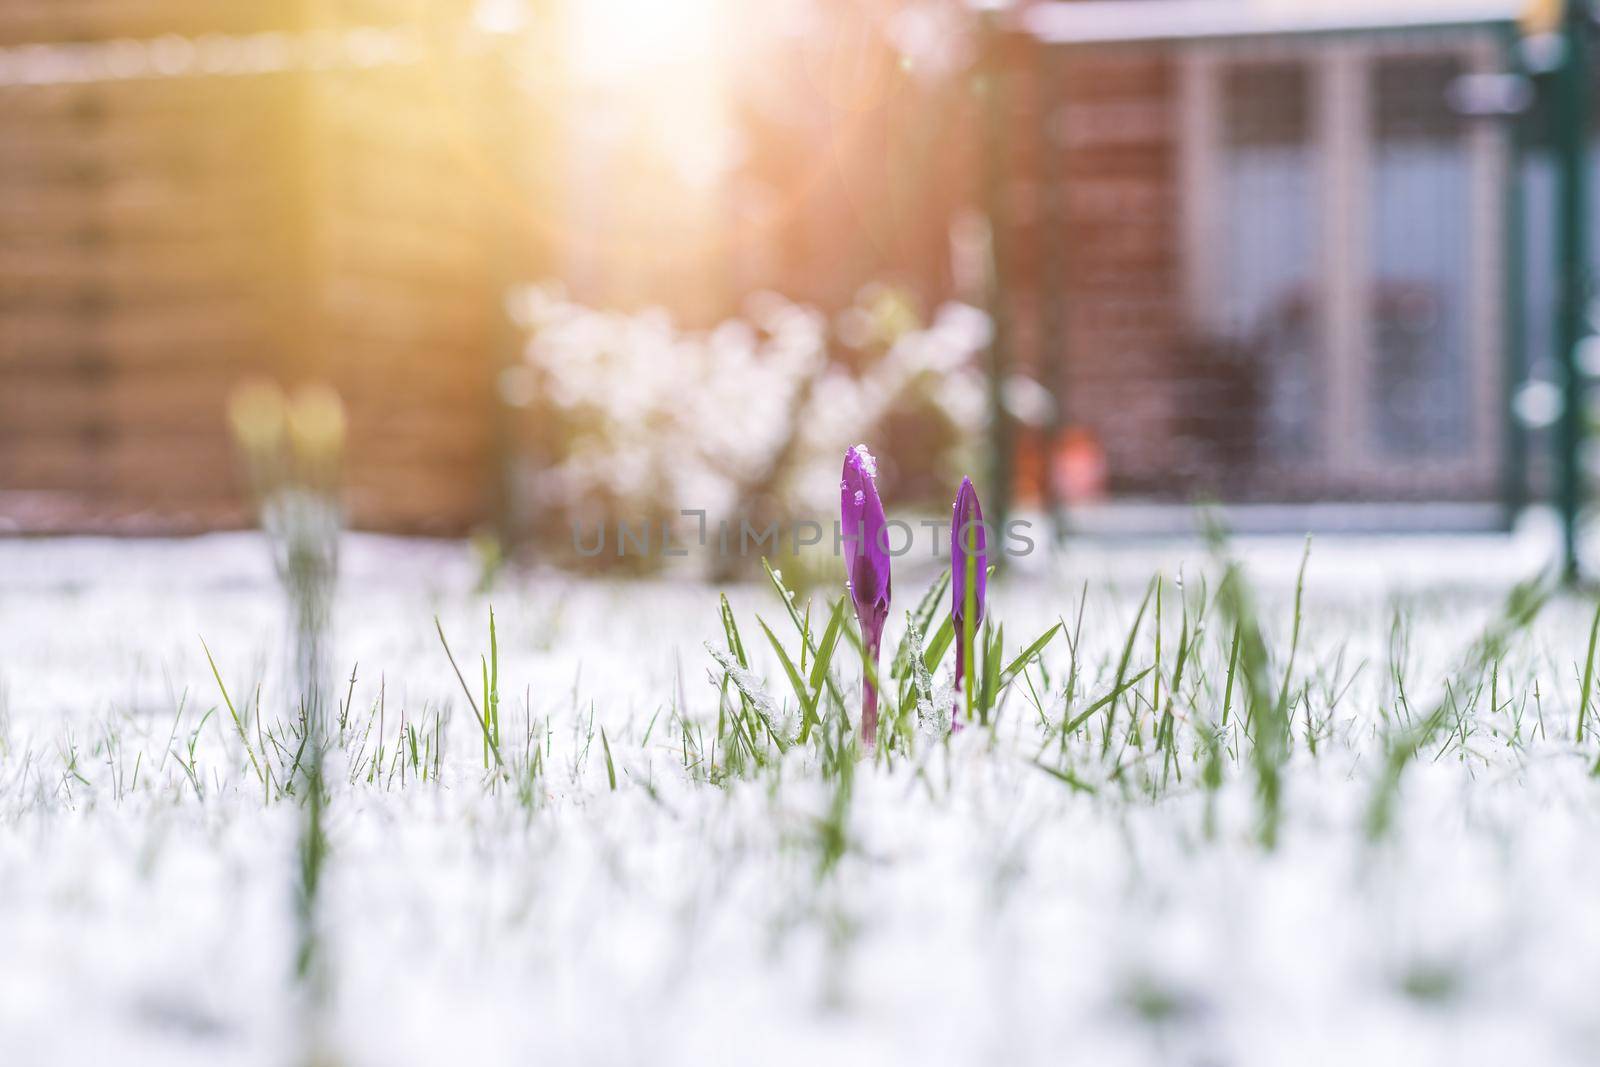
968 538
866 560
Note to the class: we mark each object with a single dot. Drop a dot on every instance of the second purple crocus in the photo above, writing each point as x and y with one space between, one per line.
969 544
866 558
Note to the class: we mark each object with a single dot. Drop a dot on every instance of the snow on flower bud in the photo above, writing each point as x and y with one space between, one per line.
866 559
969 555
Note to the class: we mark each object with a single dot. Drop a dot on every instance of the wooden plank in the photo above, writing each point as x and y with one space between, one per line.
50 21
140 209
93 103
416 431
427 506
192 402
123 272
383 241
174 467
53 154
442 189
388 309
136 334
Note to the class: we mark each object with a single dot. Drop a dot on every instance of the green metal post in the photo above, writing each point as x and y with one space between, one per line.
1571 115
1053 343
997 116
1514 364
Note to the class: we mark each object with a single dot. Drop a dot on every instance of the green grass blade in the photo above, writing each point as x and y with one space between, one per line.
1026 656
494 747
238 723
801 692
1121 687
1077 784
820 664
1588 673
785 594
611 768
731 628
1122 667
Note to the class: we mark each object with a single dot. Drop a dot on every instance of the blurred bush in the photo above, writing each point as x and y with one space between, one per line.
626 418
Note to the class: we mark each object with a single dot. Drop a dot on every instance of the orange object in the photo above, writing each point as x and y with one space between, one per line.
1027 479
1079 467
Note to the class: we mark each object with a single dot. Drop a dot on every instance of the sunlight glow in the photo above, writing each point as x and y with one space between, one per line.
624 40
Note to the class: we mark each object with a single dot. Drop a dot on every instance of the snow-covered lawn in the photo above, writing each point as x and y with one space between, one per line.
958 903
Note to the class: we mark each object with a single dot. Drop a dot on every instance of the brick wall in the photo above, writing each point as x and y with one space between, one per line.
1093 200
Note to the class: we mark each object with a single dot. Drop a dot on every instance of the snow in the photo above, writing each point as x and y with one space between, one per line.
866 461
983 914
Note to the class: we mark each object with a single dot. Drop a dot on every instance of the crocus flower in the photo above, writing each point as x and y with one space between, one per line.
967 538
866 560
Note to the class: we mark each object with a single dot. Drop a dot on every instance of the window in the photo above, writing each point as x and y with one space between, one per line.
1343 231
1421 188
1270 243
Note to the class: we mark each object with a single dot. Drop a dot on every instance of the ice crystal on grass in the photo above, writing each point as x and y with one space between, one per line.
750 686
865 461
929 701
932 715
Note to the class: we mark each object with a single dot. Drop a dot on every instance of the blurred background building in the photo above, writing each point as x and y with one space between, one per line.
1258 251
1266 251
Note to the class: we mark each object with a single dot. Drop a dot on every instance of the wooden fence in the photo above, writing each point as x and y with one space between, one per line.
192 193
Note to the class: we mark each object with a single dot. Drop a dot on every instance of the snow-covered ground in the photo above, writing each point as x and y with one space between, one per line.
982 911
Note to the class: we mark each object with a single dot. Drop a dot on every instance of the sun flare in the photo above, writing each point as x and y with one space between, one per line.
623 40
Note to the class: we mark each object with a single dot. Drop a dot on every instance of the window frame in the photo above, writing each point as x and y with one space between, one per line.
1340 69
